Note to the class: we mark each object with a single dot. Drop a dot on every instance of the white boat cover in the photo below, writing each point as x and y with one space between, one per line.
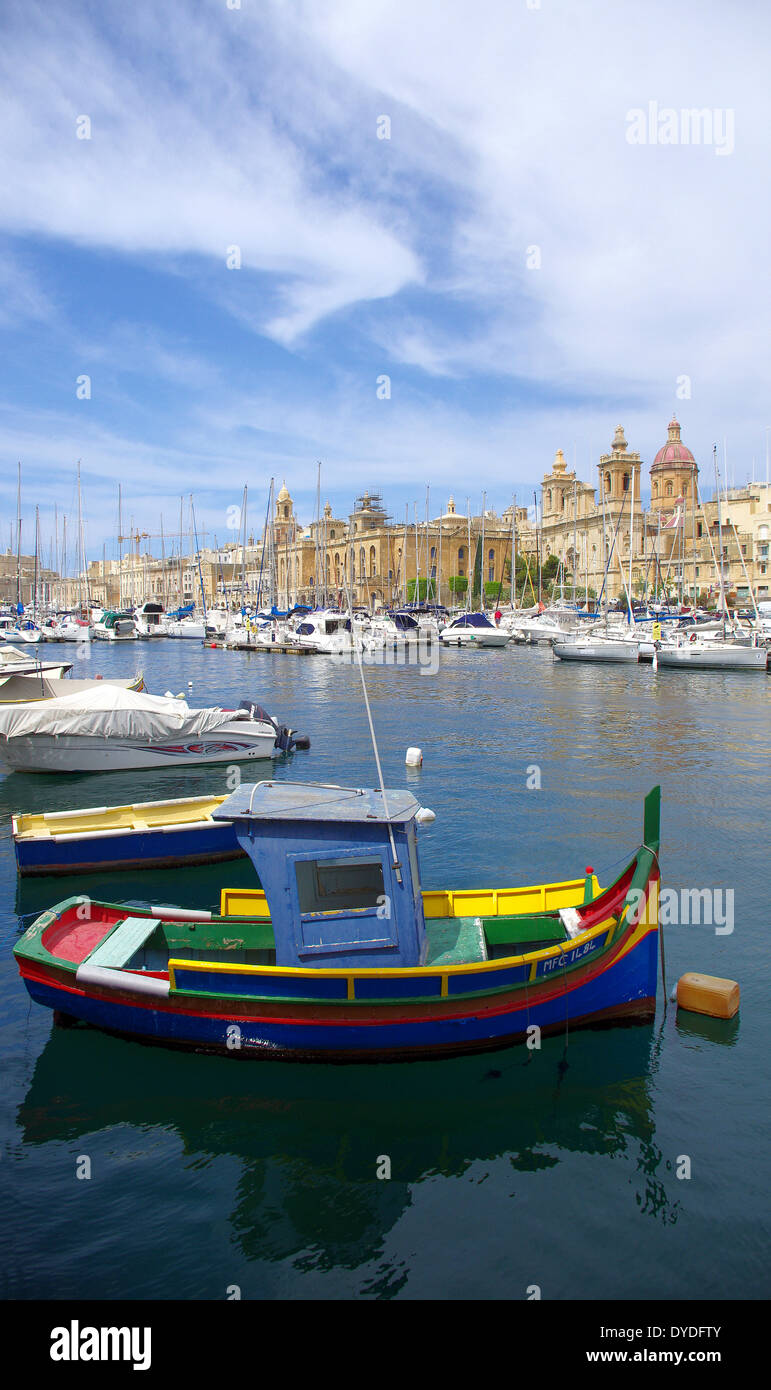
111 712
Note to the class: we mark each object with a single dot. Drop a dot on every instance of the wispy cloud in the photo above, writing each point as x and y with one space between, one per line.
524 275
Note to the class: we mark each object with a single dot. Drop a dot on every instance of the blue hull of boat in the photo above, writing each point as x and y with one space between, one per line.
157 848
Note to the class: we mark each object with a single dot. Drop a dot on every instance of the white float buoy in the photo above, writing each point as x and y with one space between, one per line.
414 757
425 816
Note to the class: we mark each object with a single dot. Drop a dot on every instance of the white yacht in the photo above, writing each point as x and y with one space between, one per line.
473 630
19 630
115 627
110 729
150 620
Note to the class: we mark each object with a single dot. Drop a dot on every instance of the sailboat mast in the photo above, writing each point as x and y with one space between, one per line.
719 538
37 545
19 605
513 549
482 558
79 547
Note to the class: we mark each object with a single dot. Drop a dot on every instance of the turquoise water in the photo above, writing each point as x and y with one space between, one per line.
507 1170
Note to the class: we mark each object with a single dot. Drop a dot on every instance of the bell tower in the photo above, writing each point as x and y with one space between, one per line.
619 473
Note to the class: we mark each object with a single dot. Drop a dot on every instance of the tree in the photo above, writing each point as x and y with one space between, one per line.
426 590
458 583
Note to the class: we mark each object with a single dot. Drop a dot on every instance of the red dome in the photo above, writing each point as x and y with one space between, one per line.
674 452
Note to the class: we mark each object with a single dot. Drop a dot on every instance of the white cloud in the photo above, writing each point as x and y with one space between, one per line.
257 128
181 161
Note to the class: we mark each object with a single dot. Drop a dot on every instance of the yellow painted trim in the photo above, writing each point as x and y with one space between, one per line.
451 902
389 972
351 987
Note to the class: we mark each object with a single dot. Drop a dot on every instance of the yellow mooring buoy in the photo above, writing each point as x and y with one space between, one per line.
708 994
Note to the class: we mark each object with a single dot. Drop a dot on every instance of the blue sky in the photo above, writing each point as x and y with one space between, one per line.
256 127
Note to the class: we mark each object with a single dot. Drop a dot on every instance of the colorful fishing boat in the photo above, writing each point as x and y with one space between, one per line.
143 835
343 957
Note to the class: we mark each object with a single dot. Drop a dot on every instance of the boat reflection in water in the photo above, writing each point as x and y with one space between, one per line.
308 1139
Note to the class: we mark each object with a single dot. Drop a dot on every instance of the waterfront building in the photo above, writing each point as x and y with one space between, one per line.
671 543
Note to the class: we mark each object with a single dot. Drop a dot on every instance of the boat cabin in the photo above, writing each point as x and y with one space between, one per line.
473 620
339 866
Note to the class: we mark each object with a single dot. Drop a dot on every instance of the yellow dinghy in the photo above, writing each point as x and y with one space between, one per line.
147 834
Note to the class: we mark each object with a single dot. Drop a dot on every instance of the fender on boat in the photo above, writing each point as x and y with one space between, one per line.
109 978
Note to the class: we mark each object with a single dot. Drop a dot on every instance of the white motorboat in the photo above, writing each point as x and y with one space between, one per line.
14 662
325 630
115 627
150 620
111 729
473 630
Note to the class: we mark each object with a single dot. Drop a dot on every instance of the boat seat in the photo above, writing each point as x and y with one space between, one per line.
124 941
455 940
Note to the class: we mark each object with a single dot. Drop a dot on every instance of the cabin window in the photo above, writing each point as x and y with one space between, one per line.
334 885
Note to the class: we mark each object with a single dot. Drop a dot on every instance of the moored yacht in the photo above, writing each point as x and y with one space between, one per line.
150 620
115 627
473 630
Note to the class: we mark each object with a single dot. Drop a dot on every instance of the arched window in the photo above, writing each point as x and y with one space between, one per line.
668 489
332 535
562 501
655 489
549 494
491 565
362 564
372 562
607 482
626 482
286 509
461 560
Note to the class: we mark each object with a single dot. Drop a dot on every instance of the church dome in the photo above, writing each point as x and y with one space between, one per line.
674 453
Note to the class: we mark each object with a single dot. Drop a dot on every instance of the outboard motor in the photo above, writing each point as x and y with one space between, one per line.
286 741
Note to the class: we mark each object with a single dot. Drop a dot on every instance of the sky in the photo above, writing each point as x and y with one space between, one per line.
425 242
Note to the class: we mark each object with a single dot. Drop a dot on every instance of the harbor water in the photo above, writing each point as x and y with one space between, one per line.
620 1163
